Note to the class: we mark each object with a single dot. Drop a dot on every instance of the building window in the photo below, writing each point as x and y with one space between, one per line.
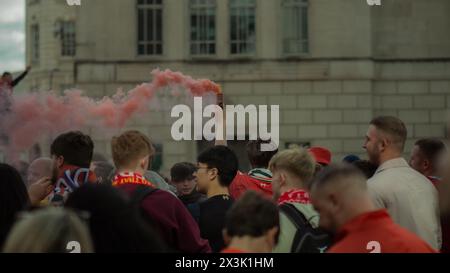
150 29
34 38
295 27
203 27
242 27
68 42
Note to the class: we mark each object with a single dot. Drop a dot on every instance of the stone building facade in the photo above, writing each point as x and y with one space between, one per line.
330 65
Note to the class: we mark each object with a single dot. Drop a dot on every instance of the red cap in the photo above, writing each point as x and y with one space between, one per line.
321 155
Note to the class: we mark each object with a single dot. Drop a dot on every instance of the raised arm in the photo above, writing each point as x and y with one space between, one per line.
220 104
21 76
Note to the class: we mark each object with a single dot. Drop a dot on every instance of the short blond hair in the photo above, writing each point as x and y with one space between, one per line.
130 147
297 161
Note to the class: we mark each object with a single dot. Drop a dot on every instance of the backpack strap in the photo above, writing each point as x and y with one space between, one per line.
295 216
298 219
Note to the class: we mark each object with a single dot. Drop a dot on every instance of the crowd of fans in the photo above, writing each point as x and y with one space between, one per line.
291 201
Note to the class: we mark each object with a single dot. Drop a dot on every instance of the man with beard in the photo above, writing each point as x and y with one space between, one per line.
410 199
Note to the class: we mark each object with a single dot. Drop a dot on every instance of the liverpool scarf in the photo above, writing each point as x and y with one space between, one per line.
294 196
130 178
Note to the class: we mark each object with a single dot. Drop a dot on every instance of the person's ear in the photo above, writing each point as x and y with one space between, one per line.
426 164
59 161
334 201
283 179
144 163
226 237
271 238
383 143
213 173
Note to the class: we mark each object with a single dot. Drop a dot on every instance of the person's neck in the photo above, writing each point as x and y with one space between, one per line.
430 173
249 244
389 155
357 208
130 170
288 188
216 189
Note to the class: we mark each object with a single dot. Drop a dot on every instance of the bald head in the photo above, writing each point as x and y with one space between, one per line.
339 193
39 168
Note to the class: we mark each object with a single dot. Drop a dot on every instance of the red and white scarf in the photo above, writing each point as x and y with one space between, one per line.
294 196
130 178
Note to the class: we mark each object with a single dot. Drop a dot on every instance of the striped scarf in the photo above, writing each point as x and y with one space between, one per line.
261 174
131 178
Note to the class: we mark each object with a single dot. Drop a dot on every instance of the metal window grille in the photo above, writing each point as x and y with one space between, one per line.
242 27
203 27
295 27
150 28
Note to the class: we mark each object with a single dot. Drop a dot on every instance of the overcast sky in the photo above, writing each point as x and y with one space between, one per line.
12 35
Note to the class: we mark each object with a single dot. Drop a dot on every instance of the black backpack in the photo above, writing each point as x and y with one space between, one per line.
307 239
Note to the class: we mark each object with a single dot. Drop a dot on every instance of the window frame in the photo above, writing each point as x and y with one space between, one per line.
145 43
306 51
191 41
35 40
64 39
247 55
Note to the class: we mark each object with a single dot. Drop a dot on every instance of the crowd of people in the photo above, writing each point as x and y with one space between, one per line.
291 201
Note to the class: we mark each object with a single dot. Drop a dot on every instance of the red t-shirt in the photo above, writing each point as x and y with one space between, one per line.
376 232
243 182
445 221
435 180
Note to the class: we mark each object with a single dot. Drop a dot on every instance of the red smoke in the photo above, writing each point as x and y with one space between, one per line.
35 115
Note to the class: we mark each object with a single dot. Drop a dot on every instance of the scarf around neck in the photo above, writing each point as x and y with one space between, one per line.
130 178
294 196
70 178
